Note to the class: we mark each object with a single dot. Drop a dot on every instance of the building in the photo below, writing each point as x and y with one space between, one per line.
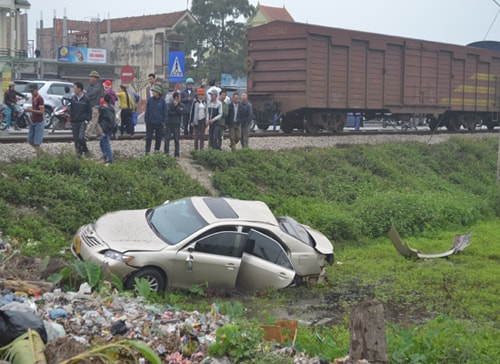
14 28
143 42
265 14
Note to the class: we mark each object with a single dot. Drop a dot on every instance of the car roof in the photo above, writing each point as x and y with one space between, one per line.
42 81
215 209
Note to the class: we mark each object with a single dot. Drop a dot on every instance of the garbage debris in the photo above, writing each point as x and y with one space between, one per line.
15 323
460 242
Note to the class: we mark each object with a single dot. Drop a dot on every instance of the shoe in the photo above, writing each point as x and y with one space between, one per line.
88 155
17 128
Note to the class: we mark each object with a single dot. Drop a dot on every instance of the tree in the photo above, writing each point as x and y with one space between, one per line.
217 41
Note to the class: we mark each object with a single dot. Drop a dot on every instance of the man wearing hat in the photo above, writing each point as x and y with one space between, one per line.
37 126
187 98
95 92
155 117
108 89
198 118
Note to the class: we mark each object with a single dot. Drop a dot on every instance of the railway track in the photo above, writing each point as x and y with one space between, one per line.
65 136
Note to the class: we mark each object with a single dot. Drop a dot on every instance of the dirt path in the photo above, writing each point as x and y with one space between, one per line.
198 173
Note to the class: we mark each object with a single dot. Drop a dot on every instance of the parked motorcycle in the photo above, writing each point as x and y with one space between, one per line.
59 119
20 117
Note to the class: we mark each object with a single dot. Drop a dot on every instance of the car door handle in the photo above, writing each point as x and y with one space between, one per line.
231 266
283 275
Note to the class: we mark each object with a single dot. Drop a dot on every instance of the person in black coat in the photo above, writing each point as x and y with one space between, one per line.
80 116
176 114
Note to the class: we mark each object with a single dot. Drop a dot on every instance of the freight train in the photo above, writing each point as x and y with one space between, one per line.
310 77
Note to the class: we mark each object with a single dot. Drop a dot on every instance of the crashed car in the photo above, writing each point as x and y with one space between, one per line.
219 242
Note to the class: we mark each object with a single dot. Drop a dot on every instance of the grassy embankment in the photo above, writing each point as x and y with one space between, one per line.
443 310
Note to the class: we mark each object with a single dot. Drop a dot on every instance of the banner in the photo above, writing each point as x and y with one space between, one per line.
81 55
6 77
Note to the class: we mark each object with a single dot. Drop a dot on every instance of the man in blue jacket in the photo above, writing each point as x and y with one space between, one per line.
155 117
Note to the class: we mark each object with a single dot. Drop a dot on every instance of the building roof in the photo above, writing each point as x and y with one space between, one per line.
274 13
169 20
22 4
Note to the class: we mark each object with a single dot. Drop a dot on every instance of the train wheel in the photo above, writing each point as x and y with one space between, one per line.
433 123
337 122
453 124
309 126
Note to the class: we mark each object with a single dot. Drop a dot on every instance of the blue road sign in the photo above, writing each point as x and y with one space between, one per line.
176 67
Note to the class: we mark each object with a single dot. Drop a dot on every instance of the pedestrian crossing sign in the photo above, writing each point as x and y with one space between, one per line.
176 67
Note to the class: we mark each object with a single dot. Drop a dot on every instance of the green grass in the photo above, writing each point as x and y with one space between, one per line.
442 310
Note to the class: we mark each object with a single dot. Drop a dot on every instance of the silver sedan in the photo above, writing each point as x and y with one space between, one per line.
220 242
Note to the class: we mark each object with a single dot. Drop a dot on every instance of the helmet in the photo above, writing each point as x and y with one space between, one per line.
189 80
94 74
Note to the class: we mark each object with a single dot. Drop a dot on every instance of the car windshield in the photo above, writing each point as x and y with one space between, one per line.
292 227
175 221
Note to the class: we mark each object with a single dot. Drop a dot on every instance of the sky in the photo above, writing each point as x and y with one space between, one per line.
449 21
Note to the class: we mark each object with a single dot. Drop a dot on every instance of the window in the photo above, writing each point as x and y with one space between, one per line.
175 220
227 243
56 90
266 248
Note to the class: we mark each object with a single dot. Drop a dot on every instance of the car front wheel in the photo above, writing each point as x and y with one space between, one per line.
155 278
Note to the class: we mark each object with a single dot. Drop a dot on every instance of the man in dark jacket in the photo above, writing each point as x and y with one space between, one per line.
80 114
155 117
176 113
245 115
9 99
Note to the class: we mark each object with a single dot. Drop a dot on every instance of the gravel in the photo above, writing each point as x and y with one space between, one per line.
135 148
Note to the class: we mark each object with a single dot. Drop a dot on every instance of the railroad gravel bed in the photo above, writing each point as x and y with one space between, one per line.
135 148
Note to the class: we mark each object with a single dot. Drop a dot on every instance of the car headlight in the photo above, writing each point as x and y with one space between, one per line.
119 257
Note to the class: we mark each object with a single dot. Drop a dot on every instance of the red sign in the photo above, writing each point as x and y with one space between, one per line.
127 74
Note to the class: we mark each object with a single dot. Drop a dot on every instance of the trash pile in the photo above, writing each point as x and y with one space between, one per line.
72 322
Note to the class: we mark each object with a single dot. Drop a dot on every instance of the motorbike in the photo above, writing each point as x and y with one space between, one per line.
59 119
20 117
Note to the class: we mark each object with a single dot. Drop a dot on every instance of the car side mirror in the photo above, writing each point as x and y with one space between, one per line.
189 262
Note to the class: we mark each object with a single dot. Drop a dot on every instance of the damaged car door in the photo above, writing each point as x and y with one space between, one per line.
264 264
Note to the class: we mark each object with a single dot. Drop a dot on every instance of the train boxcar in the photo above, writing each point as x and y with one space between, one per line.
310 77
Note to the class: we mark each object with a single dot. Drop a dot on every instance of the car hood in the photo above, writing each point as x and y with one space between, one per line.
128 230
322 244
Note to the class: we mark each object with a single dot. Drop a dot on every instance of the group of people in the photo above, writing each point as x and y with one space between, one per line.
196 110
93 112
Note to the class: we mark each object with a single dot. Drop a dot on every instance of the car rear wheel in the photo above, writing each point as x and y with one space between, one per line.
155 278
47 117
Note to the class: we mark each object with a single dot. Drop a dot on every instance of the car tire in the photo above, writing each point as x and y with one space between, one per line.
47 118
156 279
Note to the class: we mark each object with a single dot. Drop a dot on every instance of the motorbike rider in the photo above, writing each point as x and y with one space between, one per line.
10 99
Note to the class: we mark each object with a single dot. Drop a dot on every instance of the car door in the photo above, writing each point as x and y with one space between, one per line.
215 261
264 264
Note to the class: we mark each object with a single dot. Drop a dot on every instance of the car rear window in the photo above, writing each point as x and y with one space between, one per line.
292 227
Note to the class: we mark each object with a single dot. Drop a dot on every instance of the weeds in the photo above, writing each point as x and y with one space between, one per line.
444 310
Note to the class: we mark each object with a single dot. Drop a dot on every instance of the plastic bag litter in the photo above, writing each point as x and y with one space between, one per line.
15 323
